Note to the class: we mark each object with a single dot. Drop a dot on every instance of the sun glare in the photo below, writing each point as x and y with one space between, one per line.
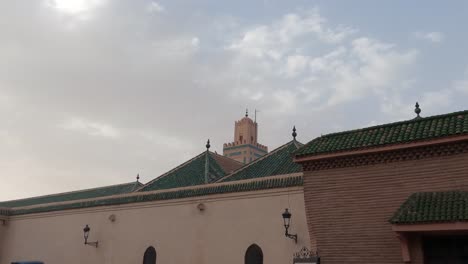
74 7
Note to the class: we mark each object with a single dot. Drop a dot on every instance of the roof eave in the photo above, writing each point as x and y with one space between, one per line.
428 226
429 142
44 207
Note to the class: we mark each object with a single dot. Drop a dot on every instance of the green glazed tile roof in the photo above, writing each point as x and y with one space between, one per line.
76 195
192 172
430 207
136 197
4 211
394 133
277 162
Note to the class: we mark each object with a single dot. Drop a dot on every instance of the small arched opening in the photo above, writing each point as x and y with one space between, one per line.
150 256
254 255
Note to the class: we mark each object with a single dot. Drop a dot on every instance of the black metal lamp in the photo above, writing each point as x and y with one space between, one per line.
86 235
287 221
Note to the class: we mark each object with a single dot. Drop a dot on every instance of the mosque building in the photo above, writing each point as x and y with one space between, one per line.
208 209
392 193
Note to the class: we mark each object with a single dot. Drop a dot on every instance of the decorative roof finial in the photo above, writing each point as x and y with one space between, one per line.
207 161
208 144
138 177
294 134
246 112
417 110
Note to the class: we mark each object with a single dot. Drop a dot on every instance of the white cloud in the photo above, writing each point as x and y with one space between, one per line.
329 61
155 7
435 37
286 101
373 66
300 62
6 101
257 42
273 41
90 128
436 99
295 64
195 42
7 139
180 46
462 85
164 140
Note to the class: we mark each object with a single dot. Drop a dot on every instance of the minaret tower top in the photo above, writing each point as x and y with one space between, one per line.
245 147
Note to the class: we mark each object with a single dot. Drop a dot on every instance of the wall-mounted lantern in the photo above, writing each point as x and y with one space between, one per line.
287 222
86 235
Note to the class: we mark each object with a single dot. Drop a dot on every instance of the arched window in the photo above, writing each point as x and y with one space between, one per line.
254 255
150 256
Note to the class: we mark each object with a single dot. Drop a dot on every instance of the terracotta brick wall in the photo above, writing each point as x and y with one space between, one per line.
348 208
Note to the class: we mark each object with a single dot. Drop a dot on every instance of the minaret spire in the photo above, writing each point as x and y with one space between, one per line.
246 112
294 134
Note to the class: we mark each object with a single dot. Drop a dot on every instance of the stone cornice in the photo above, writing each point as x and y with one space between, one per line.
387 148
387 155
274 182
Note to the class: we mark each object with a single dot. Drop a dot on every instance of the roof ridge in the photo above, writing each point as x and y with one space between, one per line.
138 184
422 119
170 171
211 166
224 157
258 160
70 192
298 144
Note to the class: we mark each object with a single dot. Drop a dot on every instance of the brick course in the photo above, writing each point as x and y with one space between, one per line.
348 208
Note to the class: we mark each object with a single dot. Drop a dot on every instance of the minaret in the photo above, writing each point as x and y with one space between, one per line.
245 147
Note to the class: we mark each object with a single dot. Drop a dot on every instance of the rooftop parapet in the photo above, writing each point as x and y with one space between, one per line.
238 143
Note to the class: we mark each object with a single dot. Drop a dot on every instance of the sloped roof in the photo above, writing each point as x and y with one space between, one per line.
418 129
179 193
75 195
192 172
430 207
277 162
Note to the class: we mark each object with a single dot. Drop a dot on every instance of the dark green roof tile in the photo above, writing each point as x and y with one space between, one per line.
277 162
430 207
75 195
209 189
394 133
5 211
192 172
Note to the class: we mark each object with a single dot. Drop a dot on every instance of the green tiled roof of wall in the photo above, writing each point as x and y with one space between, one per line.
76 195
210 189
5 211
430 207
189 173
277 162
394 133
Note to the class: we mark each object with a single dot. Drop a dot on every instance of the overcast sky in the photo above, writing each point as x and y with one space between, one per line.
93 92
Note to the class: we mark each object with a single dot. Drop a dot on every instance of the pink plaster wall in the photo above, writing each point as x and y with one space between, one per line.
177 229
